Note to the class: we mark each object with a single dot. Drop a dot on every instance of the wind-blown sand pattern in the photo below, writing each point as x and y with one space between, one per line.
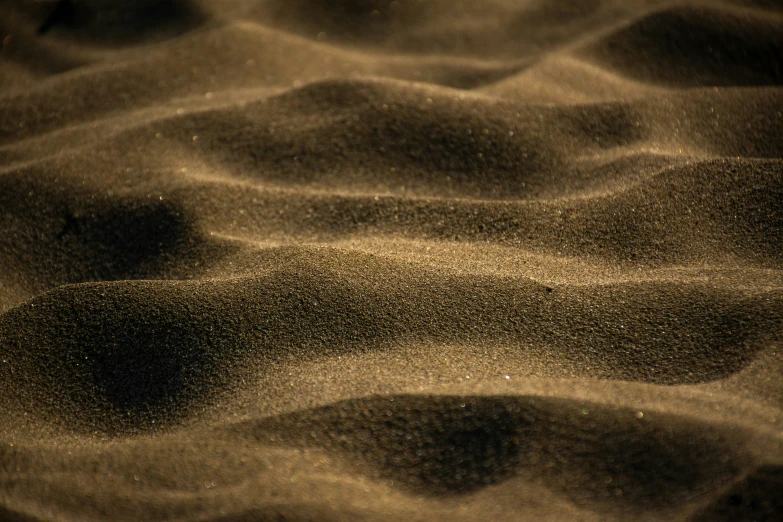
411 260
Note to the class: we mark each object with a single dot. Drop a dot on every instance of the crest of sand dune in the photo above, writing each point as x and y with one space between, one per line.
407 260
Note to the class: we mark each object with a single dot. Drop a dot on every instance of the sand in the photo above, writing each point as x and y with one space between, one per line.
412 260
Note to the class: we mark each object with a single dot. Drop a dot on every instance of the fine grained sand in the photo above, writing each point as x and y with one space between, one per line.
419 260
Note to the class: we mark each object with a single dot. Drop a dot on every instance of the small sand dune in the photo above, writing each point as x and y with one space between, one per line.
409 260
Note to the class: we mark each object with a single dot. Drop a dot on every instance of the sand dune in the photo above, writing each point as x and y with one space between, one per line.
370 260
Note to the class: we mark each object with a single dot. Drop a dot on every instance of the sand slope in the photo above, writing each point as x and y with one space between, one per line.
411 260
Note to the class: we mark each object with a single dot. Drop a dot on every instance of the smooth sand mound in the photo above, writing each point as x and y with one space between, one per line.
410 260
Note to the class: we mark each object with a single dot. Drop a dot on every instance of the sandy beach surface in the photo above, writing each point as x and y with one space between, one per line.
305 260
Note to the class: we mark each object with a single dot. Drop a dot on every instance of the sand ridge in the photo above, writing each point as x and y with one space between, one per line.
409 260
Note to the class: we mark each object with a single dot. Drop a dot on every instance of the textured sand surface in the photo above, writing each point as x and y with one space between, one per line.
414 260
